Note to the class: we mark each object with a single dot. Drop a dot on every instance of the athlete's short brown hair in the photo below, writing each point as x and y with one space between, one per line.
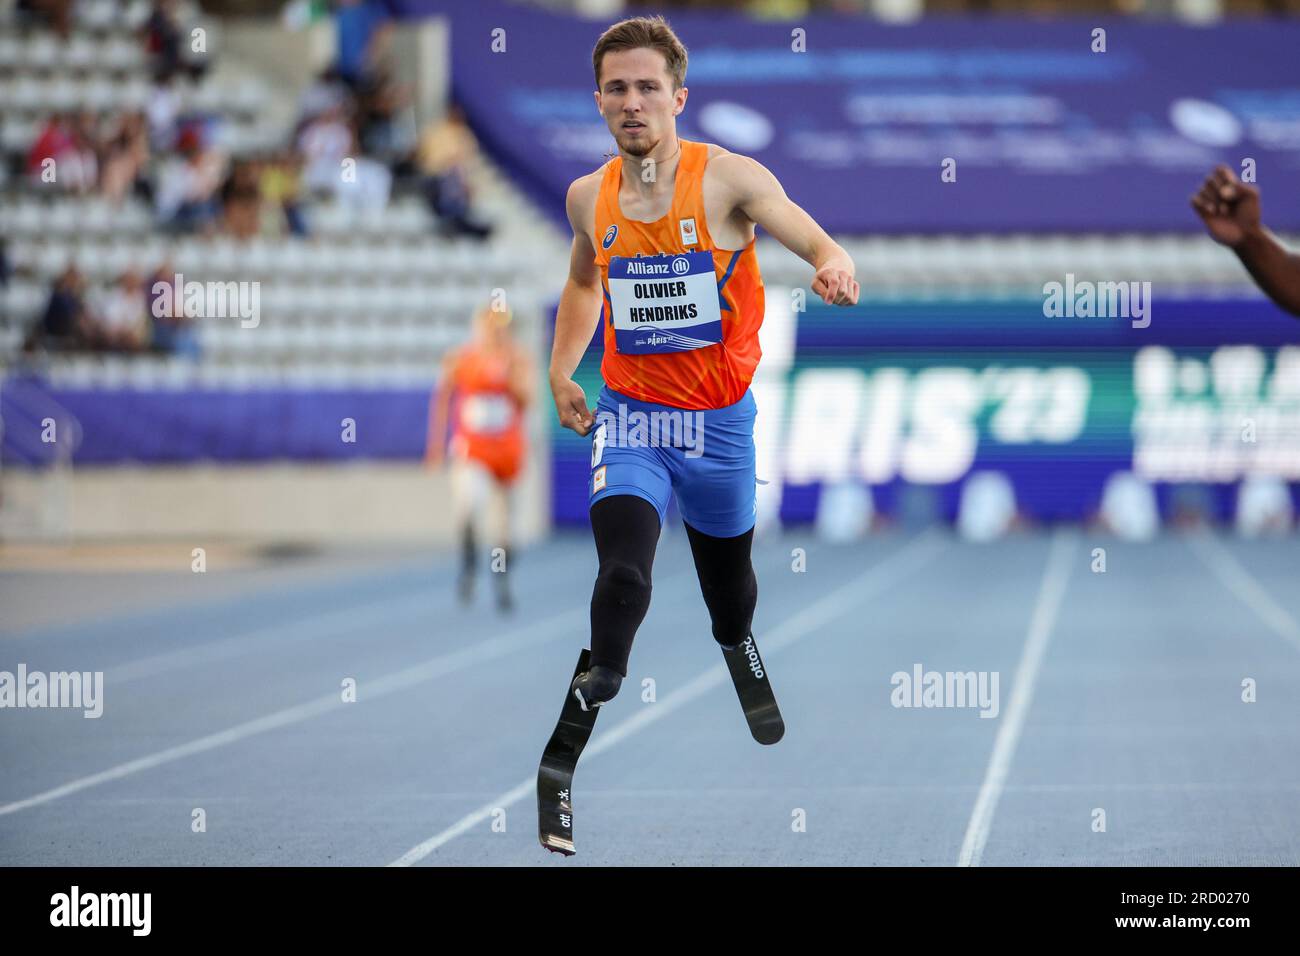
636 32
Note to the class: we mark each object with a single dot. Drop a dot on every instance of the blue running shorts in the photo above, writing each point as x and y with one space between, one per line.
651 450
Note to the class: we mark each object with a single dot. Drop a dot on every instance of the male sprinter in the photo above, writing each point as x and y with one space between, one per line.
1230 210
663 254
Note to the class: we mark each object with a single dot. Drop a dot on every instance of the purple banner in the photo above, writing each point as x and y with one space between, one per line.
1035 129
160 426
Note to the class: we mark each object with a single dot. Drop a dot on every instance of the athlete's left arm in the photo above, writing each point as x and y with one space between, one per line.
759 195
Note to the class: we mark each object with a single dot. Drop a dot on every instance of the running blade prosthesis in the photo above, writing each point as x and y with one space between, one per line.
755 691
559 760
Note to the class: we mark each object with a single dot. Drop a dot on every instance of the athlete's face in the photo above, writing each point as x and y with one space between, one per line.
637 98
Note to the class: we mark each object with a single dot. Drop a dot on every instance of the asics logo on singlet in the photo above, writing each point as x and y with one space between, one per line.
755 664
610 233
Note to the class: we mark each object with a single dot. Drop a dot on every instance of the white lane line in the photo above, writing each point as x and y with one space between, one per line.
311 627
291 630
817 614
155 616
1050 593
482 650
1244 585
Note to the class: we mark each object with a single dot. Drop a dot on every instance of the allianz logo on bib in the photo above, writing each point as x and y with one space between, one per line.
635 268
679 266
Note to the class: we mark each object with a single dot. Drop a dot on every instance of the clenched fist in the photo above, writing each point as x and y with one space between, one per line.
571 405
835 286
1230 208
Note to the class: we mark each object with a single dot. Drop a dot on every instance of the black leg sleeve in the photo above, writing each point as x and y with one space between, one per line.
727 582
626 529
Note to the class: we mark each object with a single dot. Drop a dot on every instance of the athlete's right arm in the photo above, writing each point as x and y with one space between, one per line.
579 311
434 449
1274 268
1230 210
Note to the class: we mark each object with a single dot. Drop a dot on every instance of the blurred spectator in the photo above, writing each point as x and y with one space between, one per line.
126 156
162 39
65 324
324 143
173 331
281 184
333 164
54 140
446 157
163 109
122 319
368 187
241 200
70 154
165 40
326 92
186 192
69 144
356 23
334 161
386 129
55 14
85 139
383 103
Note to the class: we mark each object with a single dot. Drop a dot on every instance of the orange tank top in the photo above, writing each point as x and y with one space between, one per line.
485 408
671 312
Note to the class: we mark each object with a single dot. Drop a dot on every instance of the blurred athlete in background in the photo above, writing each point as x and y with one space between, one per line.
485 387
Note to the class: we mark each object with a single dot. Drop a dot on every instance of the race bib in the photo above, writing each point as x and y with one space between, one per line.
486 413
664 303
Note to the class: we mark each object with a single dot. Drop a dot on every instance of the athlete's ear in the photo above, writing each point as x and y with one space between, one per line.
596 93
680 98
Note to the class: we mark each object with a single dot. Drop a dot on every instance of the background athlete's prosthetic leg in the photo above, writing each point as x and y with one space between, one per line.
730 592
467 480
559 760
502 577
480 501
468 561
